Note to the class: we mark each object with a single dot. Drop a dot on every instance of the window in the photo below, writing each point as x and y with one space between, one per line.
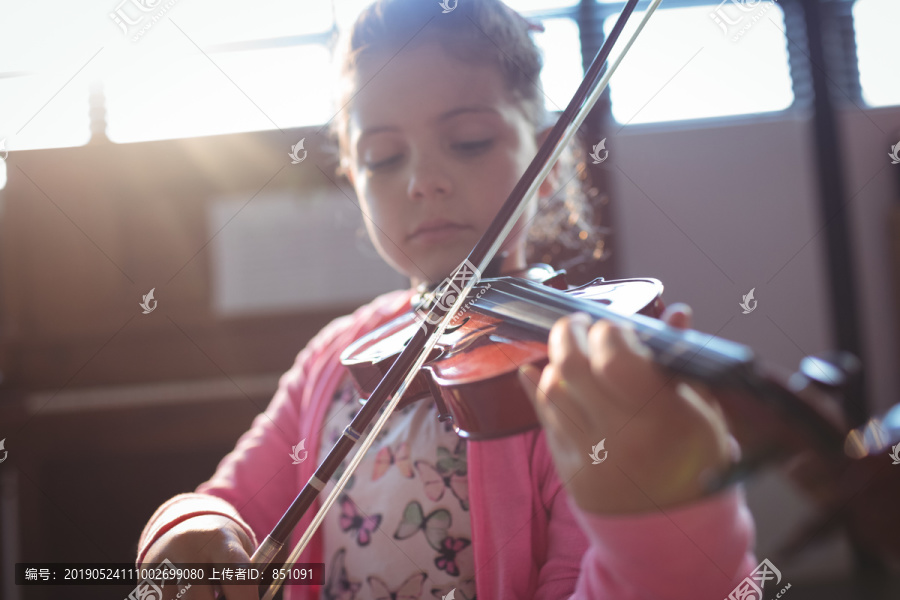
190 96
876 46
256 72
562 72
156 81
688 65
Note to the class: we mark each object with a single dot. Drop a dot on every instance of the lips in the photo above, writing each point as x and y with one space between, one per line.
435 228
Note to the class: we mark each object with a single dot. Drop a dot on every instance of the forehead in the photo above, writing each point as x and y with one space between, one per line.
419 84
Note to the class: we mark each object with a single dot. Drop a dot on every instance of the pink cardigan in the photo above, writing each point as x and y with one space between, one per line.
530 540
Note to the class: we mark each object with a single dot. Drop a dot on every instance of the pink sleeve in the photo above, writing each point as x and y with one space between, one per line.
697 552
179 509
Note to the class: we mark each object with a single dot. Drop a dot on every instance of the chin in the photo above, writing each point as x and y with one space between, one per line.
437 271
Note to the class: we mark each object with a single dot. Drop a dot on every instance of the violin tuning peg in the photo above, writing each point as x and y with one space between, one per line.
831 370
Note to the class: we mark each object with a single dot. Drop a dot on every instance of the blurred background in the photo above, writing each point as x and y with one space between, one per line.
147 147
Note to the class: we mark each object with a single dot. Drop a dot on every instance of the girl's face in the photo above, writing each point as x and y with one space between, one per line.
435 145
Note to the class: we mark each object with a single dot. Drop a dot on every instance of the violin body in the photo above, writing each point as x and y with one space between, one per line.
472 370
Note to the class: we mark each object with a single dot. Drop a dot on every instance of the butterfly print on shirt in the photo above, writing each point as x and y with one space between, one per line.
455 461
386 457
436 482
338 585
446 560
450 471
411 589
435 525
351 520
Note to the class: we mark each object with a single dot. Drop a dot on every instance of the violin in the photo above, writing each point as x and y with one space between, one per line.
463 345
471 375
471 372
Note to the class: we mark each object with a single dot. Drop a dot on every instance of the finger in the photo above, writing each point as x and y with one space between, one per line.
549 416
623 366
569 350
530 377
568 341
564 446
570 384
678 315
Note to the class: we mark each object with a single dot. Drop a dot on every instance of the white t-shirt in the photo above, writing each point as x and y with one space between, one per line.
401 529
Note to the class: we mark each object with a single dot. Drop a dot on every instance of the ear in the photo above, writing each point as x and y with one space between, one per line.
551 183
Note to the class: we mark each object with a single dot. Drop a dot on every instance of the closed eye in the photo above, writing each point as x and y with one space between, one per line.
473 147
385 163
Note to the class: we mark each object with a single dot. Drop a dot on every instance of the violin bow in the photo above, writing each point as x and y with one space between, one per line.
404 369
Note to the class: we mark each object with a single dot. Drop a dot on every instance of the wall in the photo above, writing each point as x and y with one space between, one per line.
715 208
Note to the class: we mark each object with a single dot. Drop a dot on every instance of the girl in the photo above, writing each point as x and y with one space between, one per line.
441 115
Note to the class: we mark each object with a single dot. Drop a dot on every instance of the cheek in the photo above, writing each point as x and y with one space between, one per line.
381 216
502 175
372 194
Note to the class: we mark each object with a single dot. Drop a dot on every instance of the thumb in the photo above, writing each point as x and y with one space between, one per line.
678 315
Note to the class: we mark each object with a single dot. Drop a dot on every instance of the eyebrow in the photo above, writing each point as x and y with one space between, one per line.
476 108
450 114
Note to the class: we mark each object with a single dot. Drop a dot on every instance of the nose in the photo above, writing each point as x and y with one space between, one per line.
429 179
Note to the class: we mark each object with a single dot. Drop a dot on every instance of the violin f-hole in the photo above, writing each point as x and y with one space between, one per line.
452 329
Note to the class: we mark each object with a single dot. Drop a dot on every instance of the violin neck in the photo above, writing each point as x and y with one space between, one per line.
535 307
